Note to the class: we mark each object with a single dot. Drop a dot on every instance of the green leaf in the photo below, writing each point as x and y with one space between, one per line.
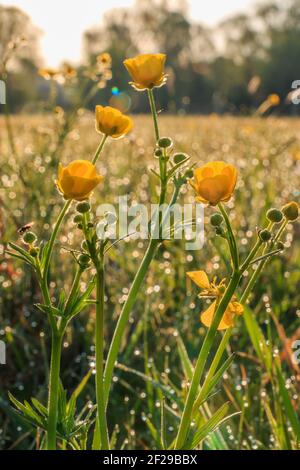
210 383
211 424
19 257
40 408
258 340
23 254
291 414
81 385
185 361
49 310
163 426
176 167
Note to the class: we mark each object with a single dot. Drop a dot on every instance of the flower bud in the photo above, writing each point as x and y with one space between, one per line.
83 207
216 219
274 215
158 153
84 260
77 219
265 235
80 227
33 252
189 174
29 238
165 142
179 158
220 231
291 211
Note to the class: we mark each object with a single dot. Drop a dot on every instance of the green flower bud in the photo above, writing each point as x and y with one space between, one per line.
158 153
84 260
179 157
291 211
220 232
90 225
216 219
80 226
274 215
189 174
29 238
34 252
165 142
83 207
265 235
77 219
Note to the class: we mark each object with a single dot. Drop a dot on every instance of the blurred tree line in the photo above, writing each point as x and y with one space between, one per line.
230 68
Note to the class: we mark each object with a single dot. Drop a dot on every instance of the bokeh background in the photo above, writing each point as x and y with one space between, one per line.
223 57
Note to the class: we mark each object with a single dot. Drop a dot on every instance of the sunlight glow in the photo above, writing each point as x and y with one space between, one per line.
63 22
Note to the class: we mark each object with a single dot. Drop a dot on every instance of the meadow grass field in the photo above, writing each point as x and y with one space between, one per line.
164 333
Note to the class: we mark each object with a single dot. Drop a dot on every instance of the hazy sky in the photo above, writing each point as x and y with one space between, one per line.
63 21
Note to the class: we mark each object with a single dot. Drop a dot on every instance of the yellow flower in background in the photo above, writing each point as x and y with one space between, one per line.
77 180
214 289
147 71
49 74
111 122
234 308
104 59
274 99
68 72
214 182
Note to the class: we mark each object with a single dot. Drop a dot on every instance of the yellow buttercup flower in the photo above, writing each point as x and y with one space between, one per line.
111 122
234 308
147 71
216 290
210 289
77 180
214 182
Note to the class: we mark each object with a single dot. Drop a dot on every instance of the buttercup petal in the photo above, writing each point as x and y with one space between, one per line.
199 278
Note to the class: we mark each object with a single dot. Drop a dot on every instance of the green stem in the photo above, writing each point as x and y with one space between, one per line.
251 255
232 241
213 367
154 113
99 149
53 390
226 337
73 291
201 361
123 319
99 340
52 240
261 265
